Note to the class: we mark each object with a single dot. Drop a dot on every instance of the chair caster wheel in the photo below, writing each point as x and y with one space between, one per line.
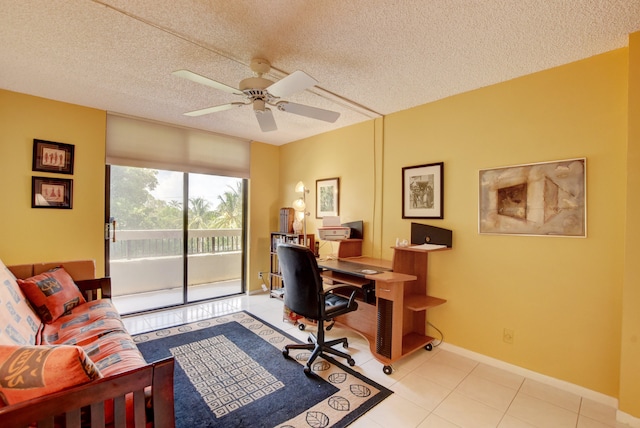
428 347
351 362
387 370
307 371
309 339
345 345
301 327
285 352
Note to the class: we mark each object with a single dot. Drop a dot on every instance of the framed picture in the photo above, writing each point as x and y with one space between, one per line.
49 192
52 157
327 197
423 191
538 199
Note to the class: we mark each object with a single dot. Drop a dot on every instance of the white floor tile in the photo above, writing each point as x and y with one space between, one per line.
422 392
490 393
454 360
598 411
468 413
396 411
585 422
499 376
541 413
509 421
442 374
551 394
435 421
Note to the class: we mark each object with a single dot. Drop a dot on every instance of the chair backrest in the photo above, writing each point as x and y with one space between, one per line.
302 281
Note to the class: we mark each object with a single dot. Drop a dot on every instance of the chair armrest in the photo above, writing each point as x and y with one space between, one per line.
328 289
94 289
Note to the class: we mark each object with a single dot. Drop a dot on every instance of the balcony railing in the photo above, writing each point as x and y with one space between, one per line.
137 244
143 261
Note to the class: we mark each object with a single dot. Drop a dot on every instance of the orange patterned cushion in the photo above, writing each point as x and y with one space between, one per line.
52 293
19 324
27 372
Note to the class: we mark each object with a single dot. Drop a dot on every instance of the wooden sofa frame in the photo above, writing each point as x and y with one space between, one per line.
70 402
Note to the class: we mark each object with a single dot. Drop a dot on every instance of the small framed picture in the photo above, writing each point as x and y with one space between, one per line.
423 191
49 156
49 192
327 197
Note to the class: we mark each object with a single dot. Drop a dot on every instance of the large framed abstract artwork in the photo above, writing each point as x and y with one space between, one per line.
539 199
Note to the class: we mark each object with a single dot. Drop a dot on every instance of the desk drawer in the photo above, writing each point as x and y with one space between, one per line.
389 291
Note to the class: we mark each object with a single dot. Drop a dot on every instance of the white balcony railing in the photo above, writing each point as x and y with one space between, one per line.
144 261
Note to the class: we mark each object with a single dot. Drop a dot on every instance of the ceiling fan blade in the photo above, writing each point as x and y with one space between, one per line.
297 81
265 120
308 111
209 110
194 77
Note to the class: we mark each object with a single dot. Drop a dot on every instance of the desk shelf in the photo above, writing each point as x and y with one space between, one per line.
418 302
414 342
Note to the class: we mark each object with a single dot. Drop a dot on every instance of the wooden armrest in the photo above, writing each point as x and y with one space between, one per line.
159 375
97 288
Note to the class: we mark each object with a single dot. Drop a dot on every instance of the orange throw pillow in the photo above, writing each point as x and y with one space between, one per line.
52 293
28 372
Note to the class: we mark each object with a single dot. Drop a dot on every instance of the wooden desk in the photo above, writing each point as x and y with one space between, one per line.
395 325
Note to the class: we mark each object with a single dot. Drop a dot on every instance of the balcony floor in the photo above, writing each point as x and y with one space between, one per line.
140 302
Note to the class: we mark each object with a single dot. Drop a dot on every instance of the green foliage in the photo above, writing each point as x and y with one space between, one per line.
135 208
228 214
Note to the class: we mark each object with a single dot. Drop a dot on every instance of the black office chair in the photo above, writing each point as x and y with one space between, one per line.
304 294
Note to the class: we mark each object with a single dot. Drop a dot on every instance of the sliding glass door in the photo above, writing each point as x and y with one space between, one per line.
175 237
215 236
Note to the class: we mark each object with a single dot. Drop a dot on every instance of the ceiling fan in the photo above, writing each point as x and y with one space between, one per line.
261 92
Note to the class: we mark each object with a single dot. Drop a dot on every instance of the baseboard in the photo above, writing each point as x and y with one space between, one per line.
547 380
626 418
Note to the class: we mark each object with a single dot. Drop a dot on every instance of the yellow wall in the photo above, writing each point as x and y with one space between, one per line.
263 210
346 153
630 361
31 235
561 296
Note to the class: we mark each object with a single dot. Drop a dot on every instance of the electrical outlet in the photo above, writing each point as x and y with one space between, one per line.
259 275
507 336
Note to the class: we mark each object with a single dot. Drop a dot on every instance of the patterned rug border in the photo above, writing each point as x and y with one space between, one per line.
322 367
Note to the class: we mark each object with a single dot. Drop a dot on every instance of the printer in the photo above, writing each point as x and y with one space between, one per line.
332 230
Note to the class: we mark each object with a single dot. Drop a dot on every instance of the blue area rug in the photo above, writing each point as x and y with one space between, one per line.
230 372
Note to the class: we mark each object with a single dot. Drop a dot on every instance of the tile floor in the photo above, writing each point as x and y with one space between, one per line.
431 389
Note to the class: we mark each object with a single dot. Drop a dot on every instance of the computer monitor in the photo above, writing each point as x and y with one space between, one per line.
357 228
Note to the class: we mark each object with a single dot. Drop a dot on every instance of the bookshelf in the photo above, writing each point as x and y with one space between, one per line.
276 285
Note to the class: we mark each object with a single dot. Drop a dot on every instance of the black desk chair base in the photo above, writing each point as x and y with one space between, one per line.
320 347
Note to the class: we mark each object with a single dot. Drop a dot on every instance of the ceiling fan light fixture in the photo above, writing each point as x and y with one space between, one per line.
258 105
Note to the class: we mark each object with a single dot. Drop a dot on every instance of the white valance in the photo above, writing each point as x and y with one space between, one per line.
147 144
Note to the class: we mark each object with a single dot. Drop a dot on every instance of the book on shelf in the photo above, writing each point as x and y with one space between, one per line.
286 220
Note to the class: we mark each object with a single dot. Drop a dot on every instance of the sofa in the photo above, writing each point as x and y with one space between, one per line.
66 358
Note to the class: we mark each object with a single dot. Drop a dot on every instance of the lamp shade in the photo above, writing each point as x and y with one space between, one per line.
300 187
299 205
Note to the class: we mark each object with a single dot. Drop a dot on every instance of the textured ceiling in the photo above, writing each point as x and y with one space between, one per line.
371 57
